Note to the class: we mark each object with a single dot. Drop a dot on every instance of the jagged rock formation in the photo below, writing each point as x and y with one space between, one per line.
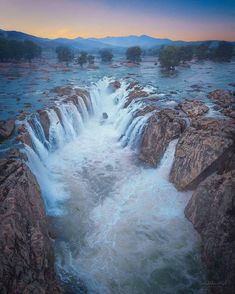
6 129
193 108
212 212
225 100
202 149
26 254
162 127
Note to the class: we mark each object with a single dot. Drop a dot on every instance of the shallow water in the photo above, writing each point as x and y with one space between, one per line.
21 86
120 226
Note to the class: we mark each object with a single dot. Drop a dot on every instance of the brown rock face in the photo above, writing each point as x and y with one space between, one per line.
6 129
202 149
194 108
225 100
212 212
162 127
24 136
134 95
63 91
45 122
26 255
115 85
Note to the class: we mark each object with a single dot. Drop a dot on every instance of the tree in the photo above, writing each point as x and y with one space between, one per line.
31 50
202 52
91 59
169 57
106 55
223 52
134 54
185 53
13 50
82 58
64 54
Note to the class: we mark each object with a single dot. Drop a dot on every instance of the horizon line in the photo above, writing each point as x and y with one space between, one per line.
113 36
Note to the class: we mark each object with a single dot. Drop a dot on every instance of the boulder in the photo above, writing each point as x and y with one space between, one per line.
6 129
45 122
26 254
114 85
202 149
225 99
23 136
193 108
134 95
63 91
212 213
162 127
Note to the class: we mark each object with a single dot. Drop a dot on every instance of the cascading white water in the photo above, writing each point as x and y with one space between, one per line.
120 226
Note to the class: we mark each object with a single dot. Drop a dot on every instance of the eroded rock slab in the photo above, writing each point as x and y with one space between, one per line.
225 100
212 212
202 149
162 127
6 129
26 254
194 108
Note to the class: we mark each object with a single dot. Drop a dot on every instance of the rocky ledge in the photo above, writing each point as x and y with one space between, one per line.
204 160
26 253
212 212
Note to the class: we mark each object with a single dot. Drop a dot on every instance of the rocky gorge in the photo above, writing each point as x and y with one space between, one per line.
204 161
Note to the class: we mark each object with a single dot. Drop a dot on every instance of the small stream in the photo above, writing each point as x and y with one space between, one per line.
120 225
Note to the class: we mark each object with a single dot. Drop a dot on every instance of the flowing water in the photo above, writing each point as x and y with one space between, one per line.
120 225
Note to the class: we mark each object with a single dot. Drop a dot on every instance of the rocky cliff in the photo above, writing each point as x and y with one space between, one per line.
26 253
212 212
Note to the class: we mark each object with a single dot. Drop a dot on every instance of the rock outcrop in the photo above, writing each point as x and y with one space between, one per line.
212 212
202 149
45 122
26 254
194 108
6 129
162 127
23 136
134 95
225 101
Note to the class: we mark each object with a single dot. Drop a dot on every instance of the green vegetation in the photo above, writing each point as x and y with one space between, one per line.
106 55
91 59
133 54
64 54
12 50
185 53
223 52
82 58
202 51
169 57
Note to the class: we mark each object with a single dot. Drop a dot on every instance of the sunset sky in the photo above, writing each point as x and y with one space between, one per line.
177 19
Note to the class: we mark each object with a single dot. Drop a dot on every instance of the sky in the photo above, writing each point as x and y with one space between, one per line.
174 19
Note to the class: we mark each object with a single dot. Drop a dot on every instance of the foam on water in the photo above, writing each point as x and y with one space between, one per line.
120 225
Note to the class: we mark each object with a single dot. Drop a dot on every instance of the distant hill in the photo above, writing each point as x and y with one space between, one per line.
116 43
143 41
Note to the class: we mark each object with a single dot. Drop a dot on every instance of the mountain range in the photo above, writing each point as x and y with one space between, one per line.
121 42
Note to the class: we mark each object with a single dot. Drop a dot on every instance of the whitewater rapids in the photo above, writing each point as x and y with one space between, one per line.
120 225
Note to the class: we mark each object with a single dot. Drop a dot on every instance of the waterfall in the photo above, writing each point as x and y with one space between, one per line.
120 225
67 121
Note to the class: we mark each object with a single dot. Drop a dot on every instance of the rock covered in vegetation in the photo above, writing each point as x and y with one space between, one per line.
26 254
212 212
6 129
162 127
202 149
194 108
